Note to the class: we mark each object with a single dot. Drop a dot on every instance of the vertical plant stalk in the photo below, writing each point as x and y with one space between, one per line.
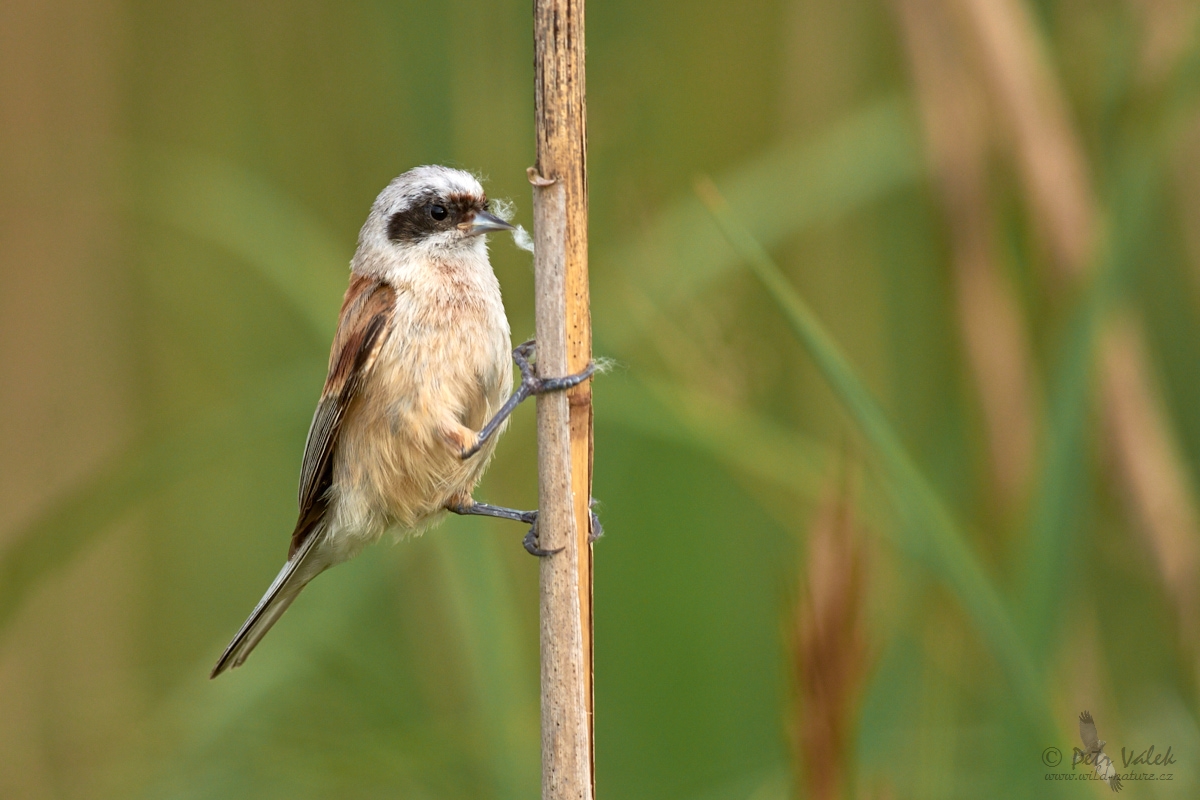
564 337
1049 155
1150 466
957 138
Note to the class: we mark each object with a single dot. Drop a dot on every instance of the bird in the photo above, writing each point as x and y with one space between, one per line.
1094 754
418 389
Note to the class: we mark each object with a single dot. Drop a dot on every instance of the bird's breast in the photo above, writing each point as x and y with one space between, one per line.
446 362
449 354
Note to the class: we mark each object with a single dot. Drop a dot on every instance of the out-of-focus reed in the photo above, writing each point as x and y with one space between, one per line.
829 645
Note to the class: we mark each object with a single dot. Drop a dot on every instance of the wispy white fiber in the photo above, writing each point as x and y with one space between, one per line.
522 239
503 208
506 210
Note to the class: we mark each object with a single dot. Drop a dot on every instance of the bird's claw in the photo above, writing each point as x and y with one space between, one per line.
531 543
531 538
525 351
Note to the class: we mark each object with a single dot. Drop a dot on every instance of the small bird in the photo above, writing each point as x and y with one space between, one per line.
1093 752
418 389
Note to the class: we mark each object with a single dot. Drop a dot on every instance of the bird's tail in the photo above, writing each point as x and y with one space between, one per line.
294 576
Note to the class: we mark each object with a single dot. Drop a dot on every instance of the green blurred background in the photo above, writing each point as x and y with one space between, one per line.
993 206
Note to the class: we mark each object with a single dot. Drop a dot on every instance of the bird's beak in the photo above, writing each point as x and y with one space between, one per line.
483 222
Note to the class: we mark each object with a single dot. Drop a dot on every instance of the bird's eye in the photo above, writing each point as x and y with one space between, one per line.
438 212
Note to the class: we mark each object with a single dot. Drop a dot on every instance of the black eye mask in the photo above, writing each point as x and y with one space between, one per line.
420 220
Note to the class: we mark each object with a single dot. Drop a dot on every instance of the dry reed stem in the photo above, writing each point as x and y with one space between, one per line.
829 644
1052 163
1151 467
564 419
955 119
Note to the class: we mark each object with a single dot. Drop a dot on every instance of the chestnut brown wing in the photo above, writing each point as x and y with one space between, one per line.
363 326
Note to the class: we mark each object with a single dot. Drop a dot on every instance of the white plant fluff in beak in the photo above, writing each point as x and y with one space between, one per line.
505 210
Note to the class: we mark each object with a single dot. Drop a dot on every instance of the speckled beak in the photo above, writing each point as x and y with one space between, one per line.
483 222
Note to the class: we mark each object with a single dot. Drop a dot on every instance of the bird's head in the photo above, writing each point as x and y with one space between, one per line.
433 211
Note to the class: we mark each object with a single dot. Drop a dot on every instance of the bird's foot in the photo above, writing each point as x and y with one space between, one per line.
530 386
596 530
471 508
